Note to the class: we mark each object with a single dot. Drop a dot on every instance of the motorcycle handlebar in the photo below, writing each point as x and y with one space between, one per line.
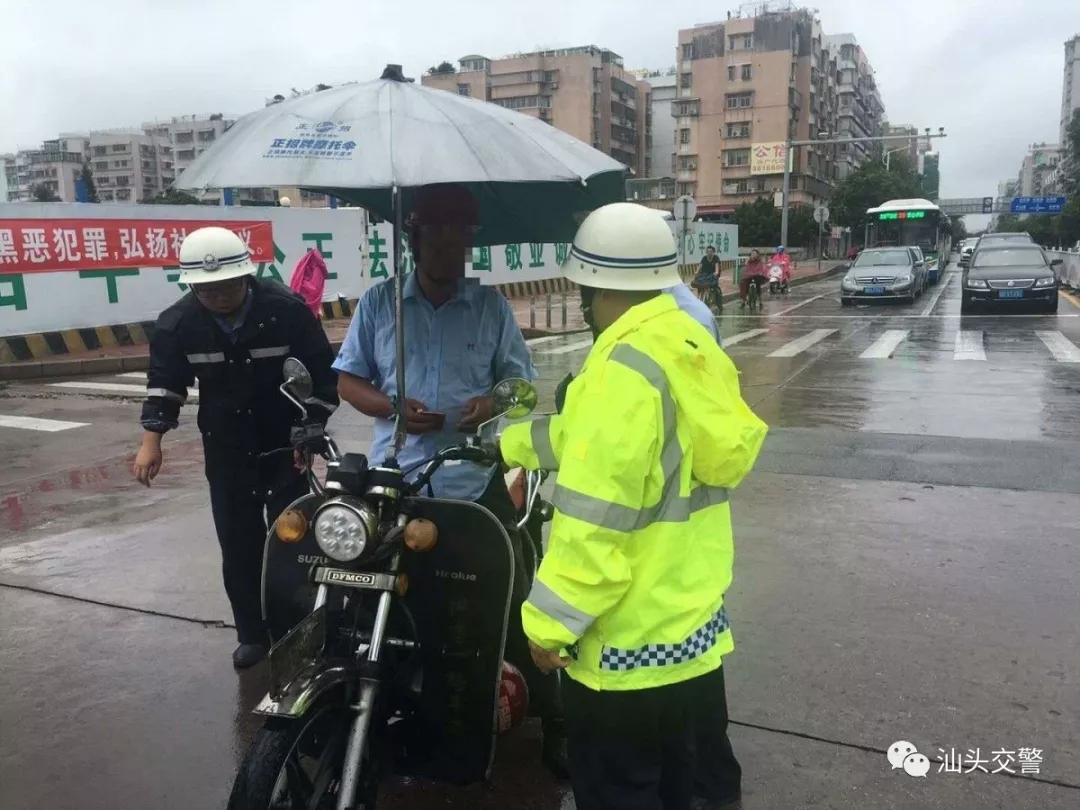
481 453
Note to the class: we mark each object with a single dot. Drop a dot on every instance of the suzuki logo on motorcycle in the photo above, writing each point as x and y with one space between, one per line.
459 575
349 578
311 559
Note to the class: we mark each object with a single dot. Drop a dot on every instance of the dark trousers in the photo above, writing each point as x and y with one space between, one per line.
635 750
717 774
246 497
543 689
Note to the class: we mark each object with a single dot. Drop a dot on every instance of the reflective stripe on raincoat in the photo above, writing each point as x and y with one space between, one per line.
653 436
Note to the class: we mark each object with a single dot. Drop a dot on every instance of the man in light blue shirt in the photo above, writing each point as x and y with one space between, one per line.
461 338
696 309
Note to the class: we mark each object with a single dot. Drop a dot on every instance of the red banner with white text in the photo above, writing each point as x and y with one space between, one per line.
54 245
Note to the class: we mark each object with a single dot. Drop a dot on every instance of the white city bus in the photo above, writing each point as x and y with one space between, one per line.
915 223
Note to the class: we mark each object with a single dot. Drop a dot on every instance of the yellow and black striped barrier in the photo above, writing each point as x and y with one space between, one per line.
43 345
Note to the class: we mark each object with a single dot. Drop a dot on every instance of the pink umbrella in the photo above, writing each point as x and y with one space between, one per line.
309 279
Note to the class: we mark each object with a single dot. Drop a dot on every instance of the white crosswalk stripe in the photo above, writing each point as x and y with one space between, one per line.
734 340
969 346
885 345
34 423
1063 349
573 347
800 345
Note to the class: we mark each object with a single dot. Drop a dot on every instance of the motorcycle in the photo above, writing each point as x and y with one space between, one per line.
393 663
777 284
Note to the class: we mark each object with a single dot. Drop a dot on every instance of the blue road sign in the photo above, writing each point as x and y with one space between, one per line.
1036 205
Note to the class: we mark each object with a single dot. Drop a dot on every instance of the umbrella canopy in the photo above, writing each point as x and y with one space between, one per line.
531 181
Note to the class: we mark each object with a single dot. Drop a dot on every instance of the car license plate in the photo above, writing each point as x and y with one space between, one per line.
874 290
1010 293
298 649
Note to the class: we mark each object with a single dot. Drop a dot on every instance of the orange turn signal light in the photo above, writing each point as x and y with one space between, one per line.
291 526
420 535
402 584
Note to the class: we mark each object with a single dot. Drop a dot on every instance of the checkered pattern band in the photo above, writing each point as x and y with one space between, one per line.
658 655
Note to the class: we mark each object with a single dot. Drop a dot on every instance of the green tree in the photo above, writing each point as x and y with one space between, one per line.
42 193
759 224
442 68
172 196
869 186
87 176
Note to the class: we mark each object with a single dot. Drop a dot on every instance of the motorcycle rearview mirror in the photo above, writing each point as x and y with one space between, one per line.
514 398
298 385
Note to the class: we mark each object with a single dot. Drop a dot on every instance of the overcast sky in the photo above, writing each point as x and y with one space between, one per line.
983 69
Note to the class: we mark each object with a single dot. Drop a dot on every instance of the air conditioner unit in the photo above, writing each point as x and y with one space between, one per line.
554 85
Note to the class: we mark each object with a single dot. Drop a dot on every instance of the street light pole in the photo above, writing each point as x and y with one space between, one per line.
789 160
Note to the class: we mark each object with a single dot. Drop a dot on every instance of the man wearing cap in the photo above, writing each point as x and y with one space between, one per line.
232 332
462 339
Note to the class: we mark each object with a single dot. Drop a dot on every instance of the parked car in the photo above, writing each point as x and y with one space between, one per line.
884 273
967 247
1010 273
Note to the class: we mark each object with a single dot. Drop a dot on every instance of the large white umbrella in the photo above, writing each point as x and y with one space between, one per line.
359 142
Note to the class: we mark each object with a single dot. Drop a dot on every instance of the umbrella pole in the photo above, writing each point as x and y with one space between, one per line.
399 323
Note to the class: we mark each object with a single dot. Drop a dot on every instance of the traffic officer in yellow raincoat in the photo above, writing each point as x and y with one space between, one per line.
629 600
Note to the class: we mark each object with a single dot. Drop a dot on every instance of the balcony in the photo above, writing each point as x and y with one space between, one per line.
795 98
686 107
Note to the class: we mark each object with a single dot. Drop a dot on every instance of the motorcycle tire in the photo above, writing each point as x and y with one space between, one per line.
273 745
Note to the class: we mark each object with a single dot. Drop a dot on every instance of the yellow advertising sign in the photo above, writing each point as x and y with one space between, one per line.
767 158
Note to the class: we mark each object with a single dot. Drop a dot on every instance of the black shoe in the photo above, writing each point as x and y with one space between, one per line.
248 655
553 748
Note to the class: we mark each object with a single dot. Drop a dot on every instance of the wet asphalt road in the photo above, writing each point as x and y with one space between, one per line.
906 570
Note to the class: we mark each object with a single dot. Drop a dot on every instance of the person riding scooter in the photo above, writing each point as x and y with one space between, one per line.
782 260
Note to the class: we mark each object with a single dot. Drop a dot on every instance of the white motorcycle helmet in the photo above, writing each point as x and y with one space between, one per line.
214 254
623 246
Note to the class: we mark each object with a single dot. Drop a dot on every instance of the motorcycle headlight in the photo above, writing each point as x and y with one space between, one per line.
342 531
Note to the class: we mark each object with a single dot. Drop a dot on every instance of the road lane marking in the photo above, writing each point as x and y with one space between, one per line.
110 388
536 341
885 345
1063 349
43 425
943 285
969 346
573 347
800 345
800 304
739 338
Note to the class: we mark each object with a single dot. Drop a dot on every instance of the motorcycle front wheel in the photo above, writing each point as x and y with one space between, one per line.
297 764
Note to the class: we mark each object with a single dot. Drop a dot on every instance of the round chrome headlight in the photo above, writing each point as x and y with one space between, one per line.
341 532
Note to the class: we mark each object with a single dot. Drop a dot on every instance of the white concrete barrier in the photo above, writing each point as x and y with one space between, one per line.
1068 272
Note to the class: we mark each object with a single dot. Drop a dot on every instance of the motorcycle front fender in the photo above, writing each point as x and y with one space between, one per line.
305 689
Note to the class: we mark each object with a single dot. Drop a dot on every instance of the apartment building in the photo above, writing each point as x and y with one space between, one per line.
1070 86
54 166
746 85
664 85
585 91
188 135
130 166
860 110
1039 172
